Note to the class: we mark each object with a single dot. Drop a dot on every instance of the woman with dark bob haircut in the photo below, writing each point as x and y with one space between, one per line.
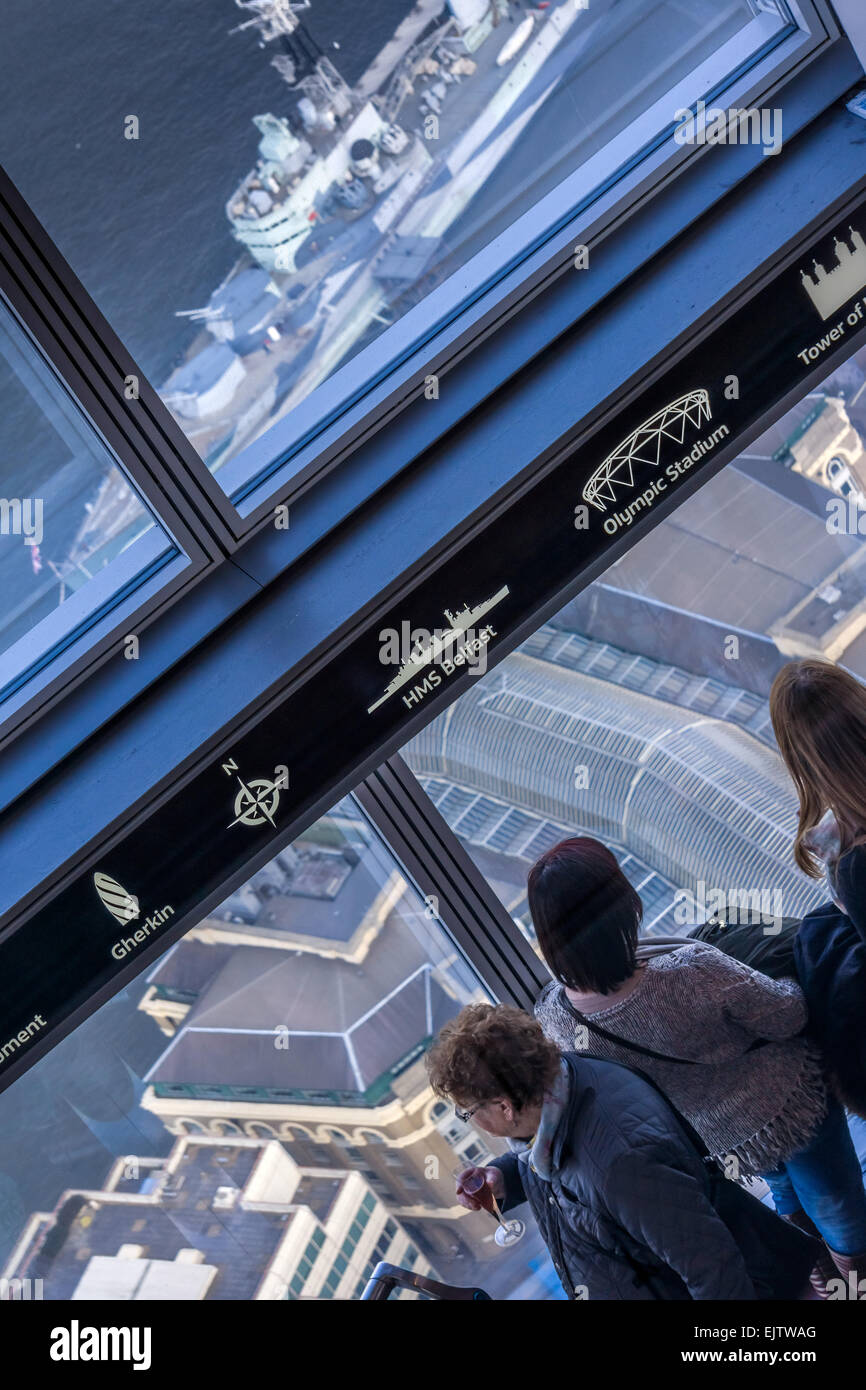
720 1039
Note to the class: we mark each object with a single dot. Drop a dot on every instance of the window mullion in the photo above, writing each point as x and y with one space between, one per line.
453 889
91 361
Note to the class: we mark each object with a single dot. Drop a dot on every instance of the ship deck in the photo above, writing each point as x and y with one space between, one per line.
469 121
395 50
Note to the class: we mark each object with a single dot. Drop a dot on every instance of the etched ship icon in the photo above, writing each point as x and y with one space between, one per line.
830 289
428 652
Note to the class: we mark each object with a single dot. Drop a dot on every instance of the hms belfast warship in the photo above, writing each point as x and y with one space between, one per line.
343 215
341 153
458 624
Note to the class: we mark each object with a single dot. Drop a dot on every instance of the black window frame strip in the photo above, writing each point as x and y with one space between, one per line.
435 860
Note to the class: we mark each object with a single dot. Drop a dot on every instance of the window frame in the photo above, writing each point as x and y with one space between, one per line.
381 435
851 19
389 375
76 354
75 843
434 860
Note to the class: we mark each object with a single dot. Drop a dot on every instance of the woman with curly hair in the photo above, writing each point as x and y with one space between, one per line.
624 1200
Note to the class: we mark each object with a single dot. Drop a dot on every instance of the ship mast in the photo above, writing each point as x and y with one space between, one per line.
302 63
274 19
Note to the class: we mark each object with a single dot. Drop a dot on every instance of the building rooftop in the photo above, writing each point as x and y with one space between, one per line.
785 482
198 1210
119 1278
669 636
690 795
185 973
297 1021
326 896
738 552
506 840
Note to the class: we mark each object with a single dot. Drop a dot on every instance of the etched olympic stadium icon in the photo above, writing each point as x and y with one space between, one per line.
644 445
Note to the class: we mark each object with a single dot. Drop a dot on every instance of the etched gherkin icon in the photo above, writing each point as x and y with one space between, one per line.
122 905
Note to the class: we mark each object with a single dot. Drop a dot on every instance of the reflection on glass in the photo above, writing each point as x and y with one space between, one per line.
252 1119
638 715
395 140
67 513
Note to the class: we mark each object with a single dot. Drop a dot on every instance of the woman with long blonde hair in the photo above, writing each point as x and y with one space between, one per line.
818 711
819 719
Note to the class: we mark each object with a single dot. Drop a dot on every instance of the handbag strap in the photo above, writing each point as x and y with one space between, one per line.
624 1042
639 1047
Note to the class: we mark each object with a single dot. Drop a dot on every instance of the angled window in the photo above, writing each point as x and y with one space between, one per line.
310 994
79 545
276 204
638 714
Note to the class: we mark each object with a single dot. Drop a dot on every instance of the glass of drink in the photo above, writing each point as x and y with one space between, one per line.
474 1183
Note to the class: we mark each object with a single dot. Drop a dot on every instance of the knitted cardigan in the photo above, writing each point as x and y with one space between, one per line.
758 1106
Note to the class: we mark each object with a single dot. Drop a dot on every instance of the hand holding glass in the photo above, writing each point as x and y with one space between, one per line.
477 1183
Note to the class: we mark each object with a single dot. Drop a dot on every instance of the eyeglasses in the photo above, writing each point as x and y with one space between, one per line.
466 1115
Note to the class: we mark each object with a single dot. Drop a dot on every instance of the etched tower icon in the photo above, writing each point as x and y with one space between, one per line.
830 289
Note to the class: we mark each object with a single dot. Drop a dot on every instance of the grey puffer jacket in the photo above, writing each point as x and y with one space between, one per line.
627 1212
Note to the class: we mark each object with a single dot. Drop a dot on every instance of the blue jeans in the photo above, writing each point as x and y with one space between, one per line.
857 1128
826 1182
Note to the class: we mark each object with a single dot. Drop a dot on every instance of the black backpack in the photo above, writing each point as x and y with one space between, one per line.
751 943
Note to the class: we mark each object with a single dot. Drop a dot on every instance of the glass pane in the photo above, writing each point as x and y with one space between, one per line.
251 1119
244 263
638 714
73 531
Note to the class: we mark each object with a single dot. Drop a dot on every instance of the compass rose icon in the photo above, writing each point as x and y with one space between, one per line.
256 800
